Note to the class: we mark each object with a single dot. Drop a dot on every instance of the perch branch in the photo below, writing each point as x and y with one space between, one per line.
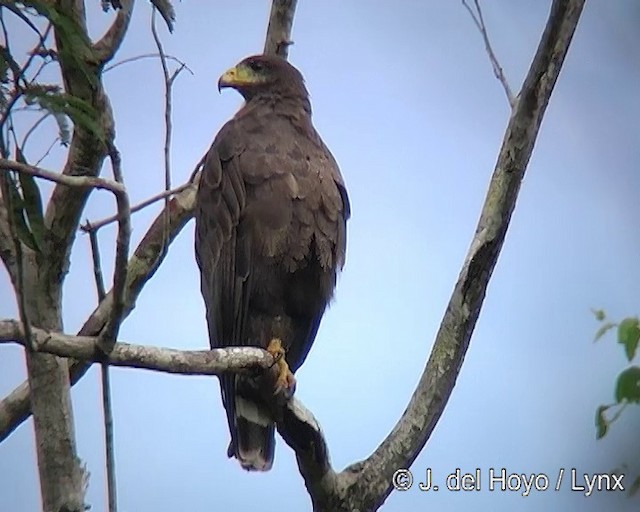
478 19
296 424
184 362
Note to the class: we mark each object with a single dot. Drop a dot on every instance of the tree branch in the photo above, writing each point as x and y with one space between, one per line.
478 19
148 56
183 362
110 332
414 428
278 37
62 179
295 423
109 44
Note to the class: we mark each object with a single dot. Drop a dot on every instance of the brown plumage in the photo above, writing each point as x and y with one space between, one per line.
271 218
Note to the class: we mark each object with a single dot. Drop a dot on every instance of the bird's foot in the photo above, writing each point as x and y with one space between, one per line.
285 382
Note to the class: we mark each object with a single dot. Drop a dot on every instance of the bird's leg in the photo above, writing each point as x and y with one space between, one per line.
285 382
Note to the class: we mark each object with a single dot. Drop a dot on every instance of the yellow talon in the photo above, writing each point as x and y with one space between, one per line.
285 381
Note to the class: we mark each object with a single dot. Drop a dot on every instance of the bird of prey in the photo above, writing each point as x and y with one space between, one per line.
271 215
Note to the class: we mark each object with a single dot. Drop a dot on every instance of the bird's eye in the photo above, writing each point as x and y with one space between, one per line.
256 65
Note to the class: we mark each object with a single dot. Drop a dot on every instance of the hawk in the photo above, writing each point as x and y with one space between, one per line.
271 214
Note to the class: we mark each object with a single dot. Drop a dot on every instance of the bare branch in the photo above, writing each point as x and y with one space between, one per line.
411 433
296 424
168 83
63 179
88 227
110 456
185 362
110 332
278 37
149 56
97 266
109 44
112 495
497 69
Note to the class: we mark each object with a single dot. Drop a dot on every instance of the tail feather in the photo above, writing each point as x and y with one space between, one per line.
253 442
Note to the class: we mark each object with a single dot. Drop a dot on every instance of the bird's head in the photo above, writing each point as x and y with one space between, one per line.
263 74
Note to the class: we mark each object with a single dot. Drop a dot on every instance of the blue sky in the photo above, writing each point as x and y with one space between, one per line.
404 96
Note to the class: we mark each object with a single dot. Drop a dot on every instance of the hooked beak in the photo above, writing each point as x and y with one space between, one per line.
228 79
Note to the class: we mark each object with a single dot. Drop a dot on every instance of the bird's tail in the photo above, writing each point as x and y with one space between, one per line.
253 442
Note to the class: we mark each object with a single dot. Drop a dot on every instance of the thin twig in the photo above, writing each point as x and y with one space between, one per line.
112 495
97 266
478 19
168 82
48 150
33 128
110 455
62 179
148 56
95 226
619 412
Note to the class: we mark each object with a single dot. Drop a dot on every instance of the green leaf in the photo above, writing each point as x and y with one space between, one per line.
602 425
17 215
32 204
629 336
604 328
79 111
73 44
628 385
166 10
635 486
599 314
